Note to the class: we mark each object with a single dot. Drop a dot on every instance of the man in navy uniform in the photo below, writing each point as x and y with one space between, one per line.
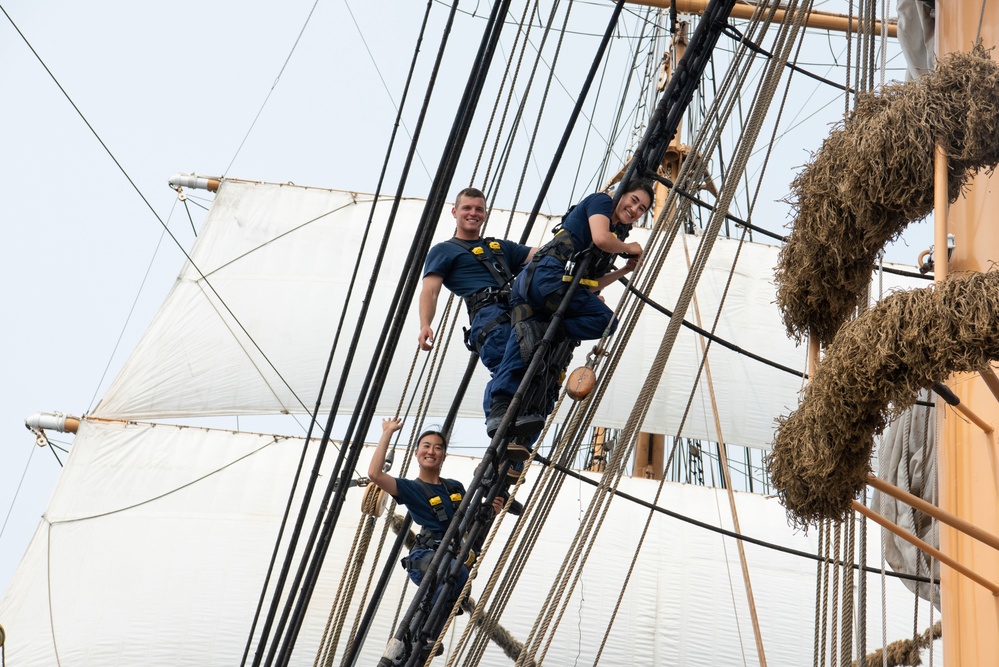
480 271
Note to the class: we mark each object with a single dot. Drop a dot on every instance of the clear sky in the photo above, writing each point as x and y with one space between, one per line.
177 87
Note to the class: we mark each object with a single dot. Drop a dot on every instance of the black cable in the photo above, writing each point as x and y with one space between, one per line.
734 33
703 204
739 221
385 349
721 341
901 272
571 122
710 336
293 540
728 533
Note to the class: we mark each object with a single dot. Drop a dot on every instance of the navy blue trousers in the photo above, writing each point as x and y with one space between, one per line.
586 318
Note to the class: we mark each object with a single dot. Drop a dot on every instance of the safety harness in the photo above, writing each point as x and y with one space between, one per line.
429 539
496 263
562 248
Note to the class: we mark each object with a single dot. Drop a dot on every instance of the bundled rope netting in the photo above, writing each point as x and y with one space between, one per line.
874 175
875 366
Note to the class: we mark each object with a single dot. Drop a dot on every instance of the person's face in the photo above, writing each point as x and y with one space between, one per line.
430 452
469 214
633 205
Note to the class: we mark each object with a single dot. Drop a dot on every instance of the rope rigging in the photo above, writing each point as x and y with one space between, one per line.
580 414
514 403
580 557
293 540
341 474
414 628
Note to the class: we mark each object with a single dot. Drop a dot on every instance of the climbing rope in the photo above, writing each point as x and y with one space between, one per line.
351 573
591 520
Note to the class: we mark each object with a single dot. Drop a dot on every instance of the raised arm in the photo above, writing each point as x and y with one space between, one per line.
428 307
381 479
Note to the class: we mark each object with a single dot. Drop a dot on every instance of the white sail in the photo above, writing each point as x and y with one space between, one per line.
253 335
164 565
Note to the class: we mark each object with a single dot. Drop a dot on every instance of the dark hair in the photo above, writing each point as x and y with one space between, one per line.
471 193
640 184
432 431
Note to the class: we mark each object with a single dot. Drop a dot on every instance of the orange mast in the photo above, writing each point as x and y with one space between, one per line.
967 457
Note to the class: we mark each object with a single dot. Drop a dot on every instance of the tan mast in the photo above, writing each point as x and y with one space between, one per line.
968 469
815 19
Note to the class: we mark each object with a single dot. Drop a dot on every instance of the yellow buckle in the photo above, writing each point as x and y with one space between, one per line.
435 501
477 250
582 281
456 497
494 245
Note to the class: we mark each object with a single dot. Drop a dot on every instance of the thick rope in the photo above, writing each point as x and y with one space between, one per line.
819 565
630 430
836 601
365 529
849 556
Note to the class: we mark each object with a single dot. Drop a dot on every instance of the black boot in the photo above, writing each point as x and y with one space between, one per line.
529 333
497 411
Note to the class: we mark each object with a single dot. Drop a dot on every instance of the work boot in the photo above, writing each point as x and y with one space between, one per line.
497 411
529 333
517 451
527 425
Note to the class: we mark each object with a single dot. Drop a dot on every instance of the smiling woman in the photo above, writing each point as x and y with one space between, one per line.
431 499
595 226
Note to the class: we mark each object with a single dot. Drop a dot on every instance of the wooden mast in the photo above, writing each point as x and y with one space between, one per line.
814 19
967 457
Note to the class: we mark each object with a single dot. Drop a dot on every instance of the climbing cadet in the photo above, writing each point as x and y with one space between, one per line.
431 499
480 271
593 225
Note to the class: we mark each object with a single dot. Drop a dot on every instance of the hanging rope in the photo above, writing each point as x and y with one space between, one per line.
351 573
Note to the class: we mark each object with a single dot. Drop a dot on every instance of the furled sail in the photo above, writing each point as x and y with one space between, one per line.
248 331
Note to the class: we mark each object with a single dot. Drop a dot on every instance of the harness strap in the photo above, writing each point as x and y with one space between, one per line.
480 340
489 251
436 502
